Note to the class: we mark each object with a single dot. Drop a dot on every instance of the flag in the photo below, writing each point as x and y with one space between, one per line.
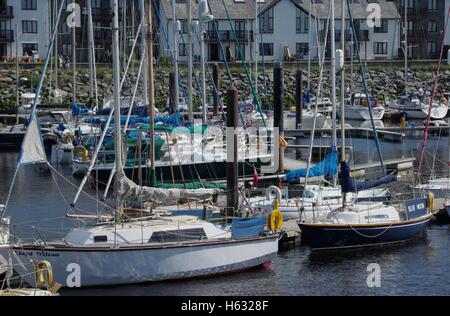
255 177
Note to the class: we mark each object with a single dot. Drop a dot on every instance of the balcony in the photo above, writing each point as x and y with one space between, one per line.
362 35
6 12
6 36
228 36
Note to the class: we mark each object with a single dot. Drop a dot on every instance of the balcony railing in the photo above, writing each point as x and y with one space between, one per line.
6 36
6 12
362 35
228 36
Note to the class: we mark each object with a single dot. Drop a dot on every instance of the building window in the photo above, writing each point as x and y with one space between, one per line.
266 22
432 5
266 49
239 26
237 54
182 49
432 26
301 22
380 48
29 4
301 50
432 48
67 49
184 27
383 28
29 48
29 26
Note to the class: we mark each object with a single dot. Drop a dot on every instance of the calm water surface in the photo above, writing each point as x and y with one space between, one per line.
419 267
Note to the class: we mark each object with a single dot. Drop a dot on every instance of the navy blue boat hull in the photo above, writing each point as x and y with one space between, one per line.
319 236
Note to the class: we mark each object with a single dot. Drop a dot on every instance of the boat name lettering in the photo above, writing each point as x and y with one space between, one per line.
36 253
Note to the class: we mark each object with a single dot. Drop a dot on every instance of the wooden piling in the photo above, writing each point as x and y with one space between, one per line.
232 151
298 97
215 77
278 108
172 97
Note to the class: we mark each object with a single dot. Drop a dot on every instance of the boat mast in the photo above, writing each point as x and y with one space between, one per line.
175 53
190 61
55 3
91 50
309 49
405 51
256 50
333 80
144 49
117 132
150 89
74 58
17 77
343 91
203 12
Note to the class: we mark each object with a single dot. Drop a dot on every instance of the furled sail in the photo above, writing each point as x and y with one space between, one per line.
328 166
32 150
349 184
131 191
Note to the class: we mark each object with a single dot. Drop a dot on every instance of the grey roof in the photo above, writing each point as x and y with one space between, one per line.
246 9
237 10
359 10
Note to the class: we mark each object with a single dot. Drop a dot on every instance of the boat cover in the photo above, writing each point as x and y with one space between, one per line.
131 191
248 227
349 184
328 166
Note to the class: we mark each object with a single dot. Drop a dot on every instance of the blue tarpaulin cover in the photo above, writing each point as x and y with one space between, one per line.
248 227
328 166
349 184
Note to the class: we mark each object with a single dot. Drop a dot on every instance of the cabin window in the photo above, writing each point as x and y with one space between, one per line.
100 238
178 235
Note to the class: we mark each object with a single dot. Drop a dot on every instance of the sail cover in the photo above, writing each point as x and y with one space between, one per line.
131 191
349 184
328 166
32 150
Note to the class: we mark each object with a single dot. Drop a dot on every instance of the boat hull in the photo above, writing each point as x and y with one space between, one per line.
437 112
362 114
101 266
331 236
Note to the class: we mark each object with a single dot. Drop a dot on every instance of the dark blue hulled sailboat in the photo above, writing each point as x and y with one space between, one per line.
366 224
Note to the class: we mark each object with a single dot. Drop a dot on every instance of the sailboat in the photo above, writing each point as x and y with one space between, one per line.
356 108
364 223
145 249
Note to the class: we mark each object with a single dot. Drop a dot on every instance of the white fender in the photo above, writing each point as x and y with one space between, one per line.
273 189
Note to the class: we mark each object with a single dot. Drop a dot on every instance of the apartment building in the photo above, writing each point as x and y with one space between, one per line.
282 30
24 24
425 25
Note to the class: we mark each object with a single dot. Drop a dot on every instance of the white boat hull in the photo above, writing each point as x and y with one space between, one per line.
438 112
148 262
362 114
